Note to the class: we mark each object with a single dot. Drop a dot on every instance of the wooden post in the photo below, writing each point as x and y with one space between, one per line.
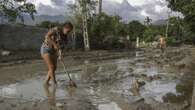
137 42
193 98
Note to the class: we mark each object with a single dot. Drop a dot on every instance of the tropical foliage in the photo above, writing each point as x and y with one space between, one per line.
12 9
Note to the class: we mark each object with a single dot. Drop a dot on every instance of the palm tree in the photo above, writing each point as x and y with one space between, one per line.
147 21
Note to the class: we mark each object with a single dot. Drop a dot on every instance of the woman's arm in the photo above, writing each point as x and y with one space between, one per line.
62 47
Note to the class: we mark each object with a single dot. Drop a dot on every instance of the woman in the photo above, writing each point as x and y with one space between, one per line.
52 47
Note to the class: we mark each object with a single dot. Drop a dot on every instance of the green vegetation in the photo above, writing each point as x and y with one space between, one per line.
13 9
48 24
105 31
187 25
108 31
187 8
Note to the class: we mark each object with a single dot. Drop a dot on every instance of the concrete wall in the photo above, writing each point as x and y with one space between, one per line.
18 37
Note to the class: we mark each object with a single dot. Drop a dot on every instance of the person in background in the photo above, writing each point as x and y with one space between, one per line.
162 43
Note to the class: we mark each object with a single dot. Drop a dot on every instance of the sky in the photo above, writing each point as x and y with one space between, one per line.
136 2
156 9
132 2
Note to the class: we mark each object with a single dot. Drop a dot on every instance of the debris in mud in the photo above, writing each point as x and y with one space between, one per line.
136 99
13 105
34 104
59 105
1 101
154 77
5 53
136 85
135 88
144 107
186 105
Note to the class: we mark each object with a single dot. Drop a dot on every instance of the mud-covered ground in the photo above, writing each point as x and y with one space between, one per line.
144 79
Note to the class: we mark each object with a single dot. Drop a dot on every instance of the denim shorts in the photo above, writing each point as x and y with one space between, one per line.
46 50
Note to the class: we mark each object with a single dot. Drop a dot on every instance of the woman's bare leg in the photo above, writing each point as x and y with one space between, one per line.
47 78
51 68
54 59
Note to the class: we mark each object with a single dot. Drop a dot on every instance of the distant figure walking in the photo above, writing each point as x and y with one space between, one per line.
162 43
52 47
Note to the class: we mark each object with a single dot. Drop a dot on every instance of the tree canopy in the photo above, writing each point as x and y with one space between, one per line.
12 9
187 8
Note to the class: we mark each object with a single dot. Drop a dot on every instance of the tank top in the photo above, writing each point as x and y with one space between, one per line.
58 37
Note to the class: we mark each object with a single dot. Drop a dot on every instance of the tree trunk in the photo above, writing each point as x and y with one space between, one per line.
85 33
167 28
100 6
85 26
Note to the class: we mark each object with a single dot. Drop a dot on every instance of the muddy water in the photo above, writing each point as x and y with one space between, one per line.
107 85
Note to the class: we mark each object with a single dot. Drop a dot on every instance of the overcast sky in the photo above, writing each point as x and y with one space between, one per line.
156 9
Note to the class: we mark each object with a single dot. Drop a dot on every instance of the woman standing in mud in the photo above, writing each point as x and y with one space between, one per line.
52 47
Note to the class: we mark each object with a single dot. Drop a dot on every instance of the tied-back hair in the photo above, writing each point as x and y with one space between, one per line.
68 25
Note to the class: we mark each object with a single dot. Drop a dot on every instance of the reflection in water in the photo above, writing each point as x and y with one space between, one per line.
71 91
50 92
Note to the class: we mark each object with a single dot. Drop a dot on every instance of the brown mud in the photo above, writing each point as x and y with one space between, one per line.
136 80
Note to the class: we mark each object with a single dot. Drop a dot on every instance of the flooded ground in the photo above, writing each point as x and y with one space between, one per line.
131 82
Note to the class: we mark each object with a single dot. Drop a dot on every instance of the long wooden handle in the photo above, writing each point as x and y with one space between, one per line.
65 70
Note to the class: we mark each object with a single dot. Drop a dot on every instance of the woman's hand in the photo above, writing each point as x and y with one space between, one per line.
56 47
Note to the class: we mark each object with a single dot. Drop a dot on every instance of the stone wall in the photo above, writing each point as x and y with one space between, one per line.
19 37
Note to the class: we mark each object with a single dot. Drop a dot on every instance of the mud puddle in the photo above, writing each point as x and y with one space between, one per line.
100 84
33 89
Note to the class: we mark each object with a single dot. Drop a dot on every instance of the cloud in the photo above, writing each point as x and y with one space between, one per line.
155 9
131 10
158 10
123 9
51 7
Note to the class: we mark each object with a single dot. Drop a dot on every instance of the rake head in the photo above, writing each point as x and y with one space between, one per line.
72 84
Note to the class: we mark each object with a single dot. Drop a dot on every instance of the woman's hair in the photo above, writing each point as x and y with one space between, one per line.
68 25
